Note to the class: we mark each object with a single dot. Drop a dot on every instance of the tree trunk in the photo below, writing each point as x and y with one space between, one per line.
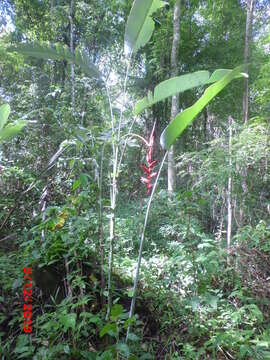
52 29
43 208
175 99
229 193
250 6
101 230
72 75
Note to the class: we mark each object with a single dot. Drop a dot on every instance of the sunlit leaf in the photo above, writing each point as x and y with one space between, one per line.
68 320
140 25
116 311
11 130
178 85
4 114
185 118
108 329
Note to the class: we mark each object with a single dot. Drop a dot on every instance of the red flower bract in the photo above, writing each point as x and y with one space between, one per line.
150 163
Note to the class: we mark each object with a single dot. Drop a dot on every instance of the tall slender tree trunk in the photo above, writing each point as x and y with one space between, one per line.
175 99
72 75
250 7
52 29
101 230
43 203
229 192
113 187
249 16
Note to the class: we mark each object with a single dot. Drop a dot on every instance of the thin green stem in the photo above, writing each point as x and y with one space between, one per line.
136 279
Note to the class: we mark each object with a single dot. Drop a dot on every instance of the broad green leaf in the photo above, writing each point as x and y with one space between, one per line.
171 87
133 337
106 355
76 184
11 130
116 311
140 25
43 50
4 114
129 322
84 179
86 65
108 329
185 118
123 349
177 85
212 300
68 320
195 303
58 52
220 73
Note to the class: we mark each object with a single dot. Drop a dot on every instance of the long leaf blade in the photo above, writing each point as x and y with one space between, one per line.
140 25
83 61
11 130
185 118
4 114
177 85
171 87
58 52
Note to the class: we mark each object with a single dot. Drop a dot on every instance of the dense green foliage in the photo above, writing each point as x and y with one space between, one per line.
72 204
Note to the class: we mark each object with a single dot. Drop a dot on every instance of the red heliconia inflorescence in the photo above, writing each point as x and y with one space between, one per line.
150 163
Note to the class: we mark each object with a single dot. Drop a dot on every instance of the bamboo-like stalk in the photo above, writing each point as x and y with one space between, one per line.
248 37
72 75
175 98
229 193
101 232
113 188
136 279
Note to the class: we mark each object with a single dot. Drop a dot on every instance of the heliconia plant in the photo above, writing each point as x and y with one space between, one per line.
220 79
139 29
148 169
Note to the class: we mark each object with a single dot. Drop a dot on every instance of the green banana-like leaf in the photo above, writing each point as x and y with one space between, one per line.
58 52
140 25
4 114
86 65
178 85
185 118
171 87
11 130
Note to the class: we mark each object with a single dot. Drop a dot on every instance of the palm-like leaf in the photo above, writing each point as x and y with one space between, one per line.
58 52
178 85
185 118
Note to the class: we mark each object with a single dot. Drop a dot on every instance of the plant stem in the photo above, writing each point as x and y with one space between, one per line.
101 232
132 306
113 189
